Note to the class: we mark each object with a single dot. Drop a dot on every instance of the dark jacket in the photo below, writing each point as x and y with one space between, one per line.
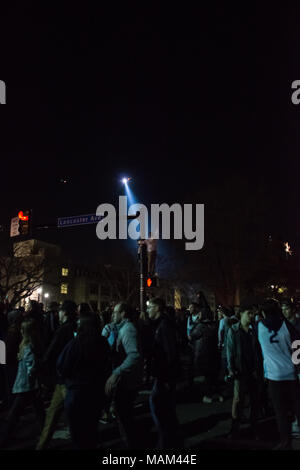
51 325
235 351
205 344
79 371
165 364
62 336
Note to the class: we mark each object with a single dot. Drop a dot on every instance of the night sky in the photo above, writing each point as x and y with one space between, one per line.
179 99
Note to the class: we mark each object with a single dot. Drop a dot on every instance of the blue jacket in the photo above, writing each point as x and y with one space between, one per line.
25 379
128 359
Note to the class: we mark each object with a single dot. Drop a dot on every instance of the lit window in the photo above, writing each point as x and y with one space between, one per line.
64 288
64 271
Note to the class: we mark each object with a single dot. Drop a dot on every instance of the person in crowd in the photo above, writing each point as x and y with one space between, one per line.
192 320
3 333
12 342
151 244
33 311
42 311
245 366
83 309
276 336
84 365
51 323
204 336
230 319
110 332
166 371
180 320
127 372
25 388
289 312
67 318
105 316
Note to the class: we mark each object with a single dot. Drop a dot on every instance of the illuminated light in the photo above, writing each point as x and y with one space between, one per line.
272 287
281 290
47 295
149 282
126 180
22 216
39 290
288 248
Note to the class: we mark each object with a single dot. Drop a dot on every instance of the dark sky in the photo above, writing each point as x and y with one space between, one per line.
178 99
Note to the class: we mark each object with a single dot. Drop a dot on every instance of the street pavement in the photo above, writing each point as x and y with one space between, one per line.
202 427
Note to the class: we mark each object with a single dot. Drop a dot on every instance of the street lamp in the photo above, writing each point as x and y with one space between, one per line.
46 297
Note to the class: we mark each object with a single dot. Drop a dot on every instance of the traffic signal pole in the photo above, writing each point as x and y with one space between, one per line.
143 273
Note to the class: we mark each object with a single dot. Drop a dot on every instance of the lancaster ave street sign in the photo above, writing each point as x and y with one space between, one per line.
78 220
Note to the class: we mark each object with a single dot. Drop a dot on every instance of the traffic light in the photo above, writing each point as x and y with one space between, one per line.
152 282
24 222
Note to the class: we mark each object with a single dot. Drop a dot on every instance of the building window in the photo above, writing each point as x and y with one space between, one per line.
64 271
64 288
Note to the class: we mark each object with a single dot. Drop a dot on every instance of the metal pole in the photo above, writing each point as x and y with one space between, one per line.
142 278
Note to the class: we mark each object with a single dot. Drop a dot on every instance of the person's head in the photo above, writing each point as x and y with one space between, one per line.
170 311
121 311
32 306
54 306
201 300
205 314
271 309
29 333
83 308
27 330
67 311
87 326
194 308
288 309
156 308
246 313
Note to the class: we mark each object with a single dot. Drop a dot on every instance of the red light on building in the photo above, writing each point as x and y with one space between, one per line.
22 216
149 282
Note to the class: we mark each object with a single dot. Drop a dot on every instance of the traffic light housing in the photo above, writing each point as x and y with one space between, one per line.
152 282
24 222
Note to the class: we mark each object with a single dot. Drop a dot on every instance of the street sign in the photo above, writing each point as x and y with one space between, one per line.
14 227
78 220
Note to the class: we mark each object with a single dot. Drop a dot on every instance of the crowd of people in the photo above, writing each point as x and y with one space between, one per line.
91 366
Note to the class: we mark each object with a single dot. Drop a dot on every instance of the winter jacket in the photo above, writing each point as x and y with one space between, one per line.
205 344
236 361
51 325
228 323
127 359
62 336
165 354
79 372
26 379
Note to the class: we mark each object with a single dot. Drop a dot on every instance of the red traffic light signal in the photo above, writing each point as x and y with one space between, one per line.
22 216
24 222
152 282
